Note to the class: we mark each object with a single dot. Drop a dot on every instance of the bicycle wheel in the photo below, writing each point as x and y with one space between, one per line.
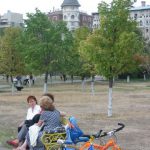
111 145
101 141
105 139
113 148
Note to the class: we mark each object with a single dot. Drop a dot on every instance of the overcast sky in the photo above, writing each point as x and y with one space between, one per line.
24 6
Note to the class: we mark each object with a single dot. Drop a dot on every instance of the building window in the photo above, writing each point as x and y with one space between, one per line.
65 17
72 16
135 16
147 30
141 23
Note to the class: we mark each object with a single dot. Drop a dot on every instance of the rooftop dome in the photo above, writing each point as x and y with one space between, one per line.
70 3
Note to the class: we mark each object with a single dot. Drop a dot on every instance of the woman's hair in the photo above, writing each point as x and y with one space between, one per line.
46 103
31 97
49 95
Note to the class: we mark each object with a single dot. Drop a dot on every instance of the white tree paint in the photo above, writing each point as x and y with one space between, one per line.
92 88
45 88
128 79
13 88
110 103
83 85
144 77
29 81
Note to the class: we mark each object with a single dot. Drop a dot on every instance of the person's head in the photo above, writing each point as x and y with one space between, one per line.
32 101
49 95
46 103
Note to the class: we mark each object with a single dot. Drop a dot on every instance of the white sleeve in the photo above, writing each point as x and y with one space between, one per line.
38 108
28 114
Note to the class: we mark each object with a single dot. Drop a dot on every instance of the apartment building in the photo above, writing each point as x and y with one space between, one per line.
142 16
10 19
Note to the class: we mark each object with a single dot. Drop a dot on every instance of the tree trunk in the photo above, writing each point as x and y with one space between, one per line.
110 97
45 82
11 78
92 86
83 84
64 77
128 79
72 79
7 78
50 75
144 77
13 88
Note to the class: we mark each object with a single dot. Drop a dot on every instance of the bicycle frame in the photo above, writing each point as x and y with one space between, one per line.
111 143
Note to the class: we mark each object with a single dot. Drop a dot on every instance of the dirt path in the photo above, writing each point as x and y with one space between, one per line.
2 148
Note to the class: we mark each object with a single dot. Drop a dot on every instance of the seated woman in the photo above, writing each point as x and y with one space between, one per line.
50 119
33 109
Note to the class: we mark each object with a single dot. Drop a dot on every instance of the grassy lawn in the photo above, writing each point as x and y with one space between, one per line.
131 105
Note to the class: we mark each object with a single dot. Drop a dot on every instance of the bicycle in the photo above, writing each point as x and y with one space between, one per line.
111 144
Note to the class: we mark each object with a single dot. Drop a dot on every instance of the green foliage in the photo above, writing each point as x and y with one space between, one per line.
114 46
44 49
10 58
1 31
86 68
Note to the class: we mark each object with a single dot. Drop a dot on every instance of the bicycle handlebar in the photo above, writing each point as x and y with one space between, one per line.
99 134
120 128
114 130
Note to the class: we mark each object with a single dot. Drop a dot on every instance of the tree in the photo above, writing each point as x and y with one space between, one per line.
114 46
11 60
43 38
87 68
146 57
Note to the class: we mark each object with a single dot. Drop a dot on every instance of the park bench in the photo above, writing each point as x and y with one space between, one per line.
50 140
17 84
19 88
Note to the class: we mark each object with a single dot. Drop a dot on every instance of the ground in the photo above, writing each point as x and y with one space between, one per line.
131 106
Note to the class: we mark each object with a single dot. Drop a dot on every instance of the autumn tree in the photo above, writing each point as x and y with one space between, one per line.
113 47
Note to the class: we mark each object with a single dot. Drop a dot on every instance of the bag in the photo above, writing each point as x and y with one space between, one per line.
34 120
74 130
28 123
33 134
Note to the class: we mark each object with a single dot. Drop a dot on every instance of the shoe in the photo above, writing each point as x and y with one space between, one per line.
13 143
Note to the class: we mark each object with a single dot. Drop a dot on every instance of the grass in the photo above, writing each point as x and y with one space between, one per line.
130 105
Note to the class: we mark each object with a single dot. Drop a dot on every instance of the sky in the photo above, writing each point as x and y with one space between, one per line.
24 6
